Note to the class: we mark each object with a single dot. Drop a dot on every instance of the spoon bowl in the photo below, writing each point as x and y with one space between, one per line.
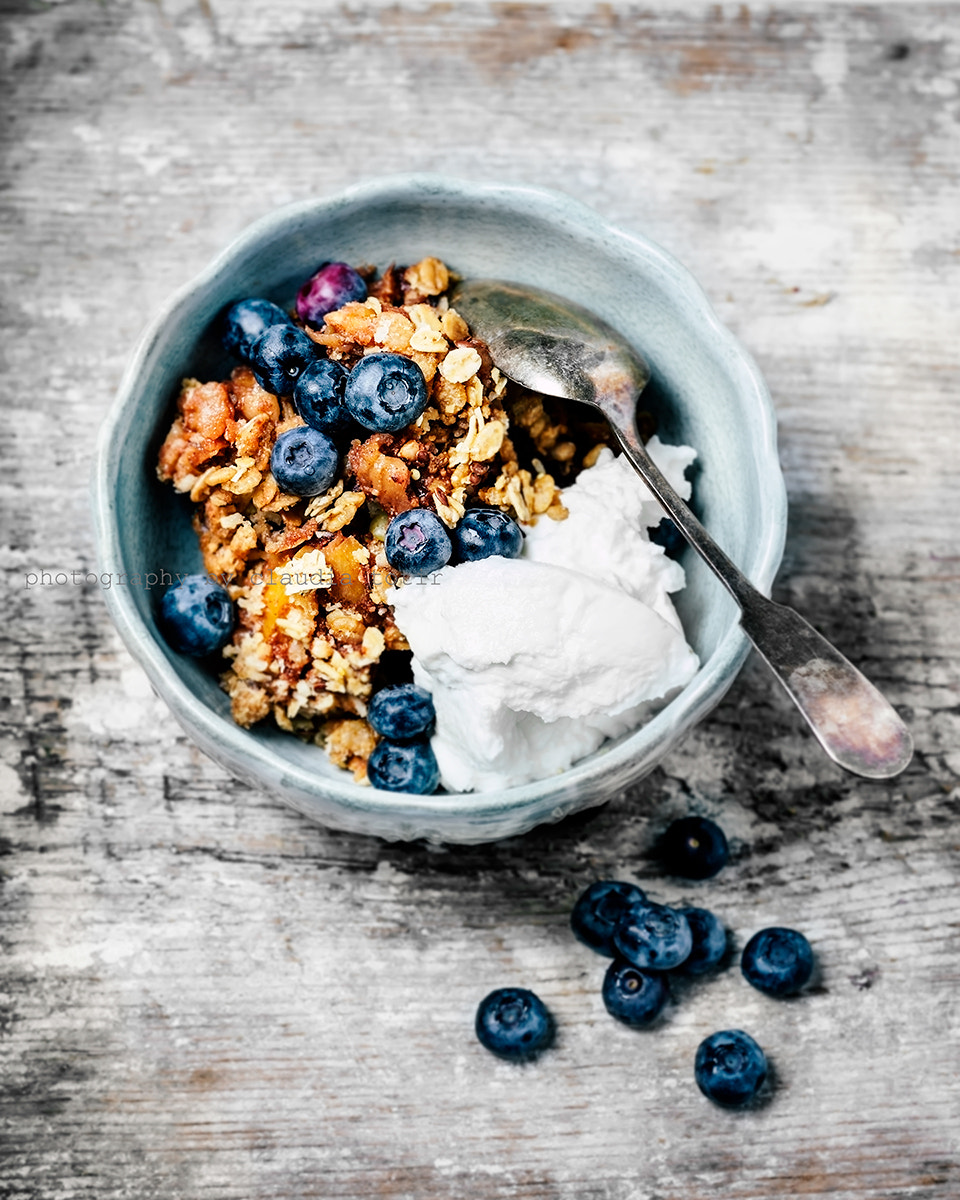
550 345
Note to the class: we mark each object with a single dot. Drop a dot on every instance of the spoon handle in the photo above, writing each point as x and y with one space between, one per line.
856 726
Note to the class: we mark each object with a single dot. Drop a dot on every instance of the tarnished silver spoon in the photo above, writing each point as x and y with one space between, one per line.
559 349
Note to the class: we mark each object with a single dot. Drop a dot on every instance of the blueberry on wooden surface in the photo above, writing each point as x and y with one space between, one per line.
654 936
304 461
385 392
694 848
404 767
633 995
777 961
709 941
197 616
401 712
730 1067
600 909
514 1023
417 542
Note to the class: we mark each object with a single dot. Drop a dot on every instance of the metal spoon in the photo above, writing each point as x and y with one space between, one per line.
559 349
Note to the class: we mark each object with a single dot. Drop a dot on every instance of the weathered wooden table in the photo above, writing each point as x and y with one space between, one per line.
206 996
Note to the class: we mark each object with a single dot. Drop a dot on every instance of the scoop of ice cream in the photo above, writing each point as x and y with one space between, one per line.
528 661
605 535
533 662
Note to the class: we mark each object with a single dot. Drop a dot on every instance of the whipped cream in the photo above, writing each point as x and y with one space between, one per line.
533 662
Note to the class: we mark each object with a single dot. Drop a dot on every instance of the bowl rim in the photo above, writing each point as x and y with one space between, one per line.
217 733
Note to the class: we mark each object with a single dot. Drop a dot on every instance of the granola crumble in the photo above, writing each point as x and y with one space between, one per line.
315 634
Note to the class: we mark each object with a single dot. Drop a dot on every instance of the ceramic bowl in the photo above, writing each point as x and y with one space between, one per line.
705 388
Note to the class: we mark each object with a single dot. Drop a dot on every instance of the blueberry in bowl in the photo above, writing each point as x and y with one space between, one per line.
667 535
385 392
401 712
483 532
197 616
318 398
304 461
408 766
279 358
330 287
246 321
417 542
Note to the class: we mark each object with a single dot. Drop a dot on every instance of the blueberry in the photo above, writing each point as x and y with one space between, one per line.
304 461
331 287
730 1067
694 848
633 996
280 356
667 535
246 321
599 911
196 616
709 941
417 542
777 961
318 397
401 712
483 532
514 1024
386 392
652 935
404 767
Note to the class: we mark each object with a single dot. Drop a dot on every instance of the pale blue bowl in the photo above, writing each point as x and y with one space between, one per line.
706 388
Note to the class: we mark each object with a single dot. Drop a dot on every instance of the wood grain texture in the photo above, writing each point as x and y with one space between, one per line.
203 995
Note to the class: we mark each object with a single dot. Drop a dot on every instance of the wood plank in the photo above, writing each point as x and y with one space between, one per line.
204 995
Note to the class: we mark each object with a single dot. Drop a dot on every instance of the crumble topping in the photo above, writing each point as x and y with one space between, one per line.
309 575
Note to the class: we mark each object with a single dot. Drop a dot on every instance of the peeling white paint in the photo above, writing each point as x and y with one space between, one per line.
12 795
830 65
